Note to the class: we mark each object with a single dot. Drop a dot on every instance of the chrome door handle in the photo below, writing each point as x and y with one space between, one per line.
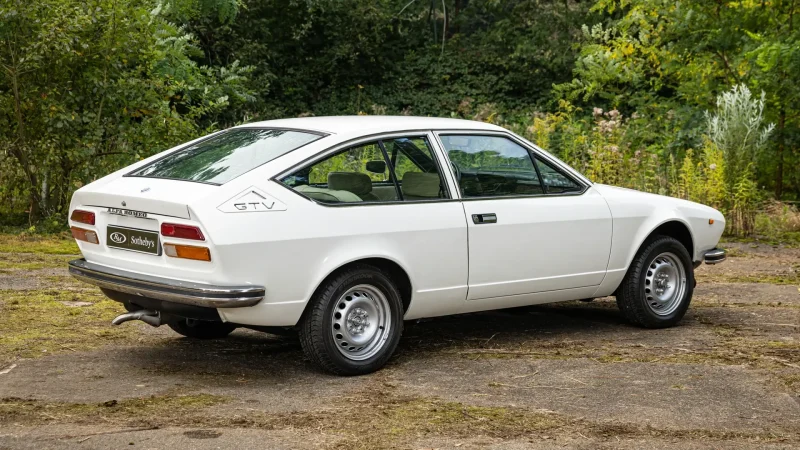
480 219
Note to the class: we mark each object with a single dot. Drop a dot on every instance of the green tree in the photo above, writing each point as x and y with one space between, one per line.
420 57
86 87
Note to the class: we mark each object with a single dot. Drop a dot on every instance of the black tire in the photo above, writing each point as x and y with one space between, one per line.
201 329
318 335
637 295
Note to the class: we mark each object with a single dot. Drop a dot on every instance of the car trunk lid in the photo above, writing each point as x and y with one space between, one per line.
131 195
129 214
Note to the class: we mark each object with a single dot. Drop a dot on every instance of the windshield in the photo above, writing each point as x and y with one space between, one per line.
226 156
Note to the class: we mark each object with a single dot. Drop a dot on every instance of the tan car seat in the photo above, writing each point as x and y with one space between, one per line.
420 186
355 182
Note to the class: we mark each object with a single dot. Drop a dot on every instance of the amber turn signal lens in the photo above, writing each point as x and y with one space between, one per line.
187 252
81 216
84 235
711 221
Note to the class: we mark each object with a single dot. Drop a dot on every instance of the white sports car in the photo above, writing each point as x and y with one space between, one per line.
343 227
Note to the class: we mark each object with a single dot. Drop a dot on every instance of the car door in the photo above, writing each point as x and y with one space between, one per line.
381 197
532 228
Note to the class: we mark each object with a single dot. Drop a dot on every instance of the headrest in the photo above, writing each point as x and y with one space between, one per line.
421 184
328 195
355 182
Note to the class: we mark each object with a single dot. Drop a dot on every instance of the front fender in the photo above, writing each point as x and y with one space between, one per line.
646 226
636 215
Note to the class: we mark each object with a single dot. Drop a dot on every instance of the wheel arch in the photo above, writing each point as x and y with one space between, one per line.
394 269
673 227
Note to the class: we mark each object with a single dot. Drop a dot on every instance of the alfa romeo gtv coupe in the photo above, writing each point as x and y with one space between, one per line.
341 228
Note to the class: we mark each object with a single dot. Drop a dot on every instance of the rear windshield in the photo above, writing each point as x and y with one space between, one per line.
226 156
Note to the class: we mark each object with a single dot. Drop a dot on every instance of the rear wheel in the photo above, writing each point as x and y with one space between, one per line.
658 287
201 329
354 322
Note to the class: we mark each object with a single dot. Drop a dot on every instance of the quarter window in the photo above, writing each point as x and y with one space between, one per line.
358 174
491 166
555 181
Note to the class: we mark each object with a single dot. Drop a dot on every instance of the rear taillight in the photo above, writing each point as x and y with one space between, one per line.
187 252
81 216
84 235
182 231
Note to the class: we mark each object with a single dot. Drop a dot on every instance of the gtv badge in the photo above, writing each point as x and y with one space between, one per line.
252 200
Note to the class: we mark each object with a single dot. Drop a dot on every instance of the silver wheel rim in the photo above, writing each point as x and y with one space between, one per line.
665 284
360 322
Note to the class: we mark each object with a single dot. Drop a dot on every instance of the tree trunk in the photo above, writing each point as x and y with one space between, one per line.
781 146
45 192
19 149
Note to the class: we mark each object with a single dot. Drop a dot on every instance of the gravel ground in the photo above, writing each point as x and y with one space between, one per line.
570 375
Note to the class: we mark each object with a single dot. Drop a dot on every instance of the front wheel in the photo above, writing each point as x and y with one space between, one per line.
657 289
354 322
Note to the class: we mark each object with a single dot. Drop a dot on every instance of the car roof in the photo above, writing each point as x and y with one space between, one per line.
371 124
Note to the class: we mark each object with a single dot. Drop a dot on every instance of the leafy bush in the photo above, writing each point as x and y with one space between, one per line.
776 217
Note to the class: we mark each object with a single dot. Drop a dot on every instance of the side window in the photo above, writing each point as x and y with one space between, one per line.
555 181
415 168
358 174
491 166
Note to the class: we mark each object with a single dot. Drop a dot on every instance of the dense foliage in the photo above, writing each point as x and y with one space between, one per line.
632 92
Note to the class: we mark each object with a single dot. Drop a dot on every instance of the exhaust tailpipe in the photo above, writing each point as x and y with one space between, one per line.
152 318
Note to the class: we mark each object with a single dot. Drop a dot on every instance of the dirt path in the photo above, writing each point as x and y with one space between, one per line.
570 375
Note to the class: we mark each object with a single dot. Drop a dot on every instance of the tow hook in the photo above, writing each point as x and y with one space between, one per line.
145 315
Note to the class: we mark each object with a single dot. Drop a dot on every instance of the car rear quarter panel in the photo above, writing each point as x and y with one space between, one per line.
291 252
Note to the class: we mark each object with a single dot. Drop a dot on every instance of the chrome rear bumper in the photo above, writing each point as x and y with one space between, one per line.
166 289
714 256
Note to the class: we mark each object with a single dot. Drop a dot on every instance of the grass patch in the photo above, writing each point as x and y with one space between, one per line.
759 304
791 279
729 349
36 323
55 244
734 252
128 411
370 421
387 420
792 382
427 416
33 261
787 239
373 418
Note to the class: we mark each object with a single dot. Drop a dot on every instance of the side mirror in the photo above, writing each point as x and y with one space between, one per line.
376 166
